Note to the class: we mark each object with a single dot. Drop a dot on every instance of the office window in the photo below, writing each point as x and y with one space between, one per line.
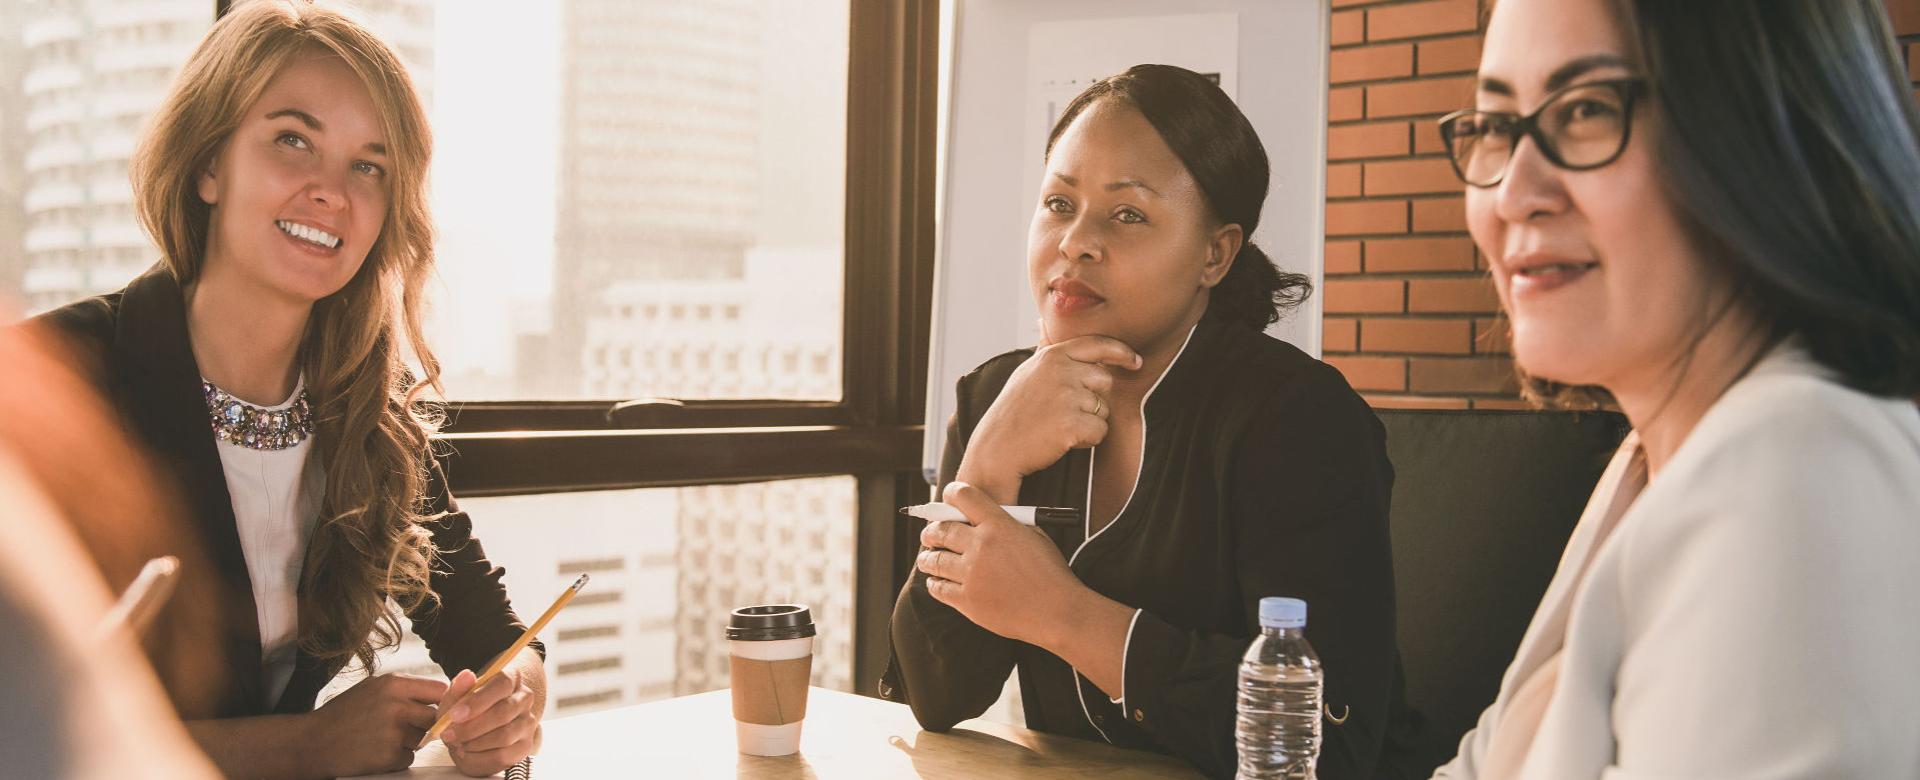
633 154
627 191
667 564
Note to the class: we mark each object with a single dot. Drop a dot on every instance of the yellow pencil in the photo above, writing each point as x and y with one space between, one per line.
500 661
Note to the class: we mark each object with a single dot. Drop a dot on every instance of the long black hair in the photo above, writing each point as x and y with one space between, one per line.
1792 146
1223 154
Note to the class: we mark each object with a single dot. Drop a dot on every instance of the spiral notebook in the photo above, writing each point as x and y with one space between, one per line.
433 762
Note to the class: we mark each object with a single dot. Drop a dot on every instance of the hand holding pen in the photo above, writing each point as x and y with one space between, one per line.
1043 516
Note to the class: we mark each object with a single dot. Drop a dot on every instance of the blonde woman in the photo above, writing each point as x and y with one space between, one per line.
261 363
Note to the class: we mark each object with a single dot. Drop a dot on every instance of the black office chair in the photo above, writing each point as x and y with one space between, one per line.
1483 503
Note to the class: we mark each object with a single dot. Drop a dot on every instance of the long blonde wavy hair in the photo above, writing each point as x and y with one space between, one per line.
372 426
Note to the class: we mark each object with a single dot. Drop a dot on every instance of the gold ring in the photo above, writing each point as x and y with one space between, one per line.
1098 406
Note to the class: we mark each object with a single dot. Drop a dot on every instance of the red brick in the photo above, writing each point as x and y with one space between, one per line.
1376 139
1432 337
1905 15
1349 27
1503 403
1353 218
1346 104
1425 176
1370 63
1440 215
1343 257
1413 20
1423 97
1343 180
1414 402
1389 255
1453 55
1348 3
1462 375
1365 296
1339 335
1426 138
1372 373
1492 336
1470 296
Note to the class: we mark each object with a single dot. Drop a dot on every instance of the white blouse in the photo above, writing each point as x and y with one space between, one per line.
276 501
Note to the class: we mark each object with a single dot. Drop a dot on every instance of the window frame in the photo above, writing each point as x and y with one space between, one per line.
874 433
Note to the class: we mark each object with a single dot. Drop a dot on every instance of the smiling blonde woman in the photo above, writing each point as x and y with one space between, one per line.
284 179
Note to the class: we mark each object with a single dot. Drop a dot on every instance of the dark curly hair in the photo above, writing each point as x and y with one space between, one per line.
1223 154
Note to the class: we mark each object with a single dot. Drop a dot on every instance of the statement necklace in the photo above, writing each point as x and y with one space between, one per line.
254 427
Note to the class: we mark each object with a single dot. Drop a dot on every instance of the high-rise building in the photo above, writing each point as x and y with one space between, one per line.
93 72
13 152
659 129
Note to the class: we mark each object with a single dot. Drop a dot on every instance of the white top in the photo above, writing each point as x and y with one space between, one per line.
276 500
1752 616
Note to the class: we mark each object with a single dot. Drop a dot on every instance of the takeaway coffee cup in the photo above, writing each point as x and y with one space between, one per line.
772 658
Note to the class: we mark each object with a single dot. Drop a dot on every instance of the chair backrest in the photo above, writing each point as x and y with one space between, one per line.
1483 503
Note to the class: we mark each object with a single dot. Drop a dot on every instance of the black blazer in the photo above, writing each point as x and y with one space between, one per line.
133 345
1262 474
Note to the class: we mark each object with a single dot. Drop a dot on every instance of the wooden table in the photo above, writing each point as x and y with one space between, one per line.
846 736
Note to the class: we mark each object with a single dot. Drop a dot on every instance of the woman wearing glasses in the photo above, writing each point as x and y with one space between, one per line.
1708 213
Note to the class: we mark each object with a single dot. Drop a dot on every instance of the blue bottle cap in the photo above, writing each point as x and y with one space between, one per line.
1280 612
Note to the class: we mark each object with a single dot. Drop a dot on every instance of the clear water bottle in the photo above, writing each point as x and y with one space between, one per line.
1278 731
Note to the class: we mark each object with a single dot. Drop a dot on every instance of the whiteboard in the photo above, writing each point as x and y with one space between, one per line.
1015 62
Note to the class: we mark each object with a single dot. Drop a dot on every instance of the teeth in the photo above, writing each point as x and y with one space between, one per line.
310 235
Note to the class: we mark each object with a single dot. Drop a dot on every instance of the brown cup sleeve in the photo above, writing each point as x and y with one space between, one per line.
770 693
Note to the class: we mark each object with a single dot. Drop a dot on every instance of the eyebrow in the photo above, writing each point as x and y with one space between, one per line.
313 123
1561 76
1118 185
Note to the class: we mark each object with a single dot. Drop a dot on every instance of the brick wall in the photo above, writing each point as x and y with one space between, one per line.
1411 316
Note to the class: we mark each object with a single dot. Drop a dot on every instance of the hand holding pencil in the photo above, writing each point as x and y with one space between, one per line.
492 720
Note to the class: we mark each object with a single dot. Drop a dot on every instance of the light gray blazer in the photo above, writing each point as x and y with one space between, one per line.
1756 613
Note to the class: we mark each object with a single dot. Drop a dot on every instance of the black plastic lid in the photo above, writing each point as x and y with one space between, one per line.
769 622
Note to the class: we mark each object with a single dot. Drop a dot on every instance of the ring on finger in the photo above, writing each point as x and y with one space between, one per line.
1099 406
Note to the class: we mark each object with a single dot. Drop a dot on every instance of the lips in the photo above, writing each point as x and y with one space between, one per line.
1072 296
1538 273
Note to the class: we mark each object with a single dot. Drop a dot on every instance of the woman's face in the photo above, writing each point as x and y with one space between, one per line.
1122 242
1602 283
299 192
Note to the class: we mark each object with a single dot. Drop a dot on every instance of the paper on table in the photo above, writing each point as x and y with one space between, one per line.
431 762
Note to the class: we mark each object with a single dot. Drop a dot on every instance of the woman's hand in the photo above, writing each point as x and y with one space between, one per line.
1057 401
374 726
497 724
1005 577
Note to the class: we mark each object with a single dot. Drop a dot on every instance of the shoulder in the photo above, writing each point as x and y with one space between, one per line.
1792 473
1791 430
83 330
89 320
1281 384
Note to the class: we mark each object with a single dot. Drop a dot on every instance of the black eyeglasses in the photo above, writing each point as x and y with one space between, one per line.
1579 128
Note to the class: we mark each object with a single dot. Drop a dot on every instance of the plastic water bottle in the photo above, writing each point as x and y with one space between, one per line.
1281 681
